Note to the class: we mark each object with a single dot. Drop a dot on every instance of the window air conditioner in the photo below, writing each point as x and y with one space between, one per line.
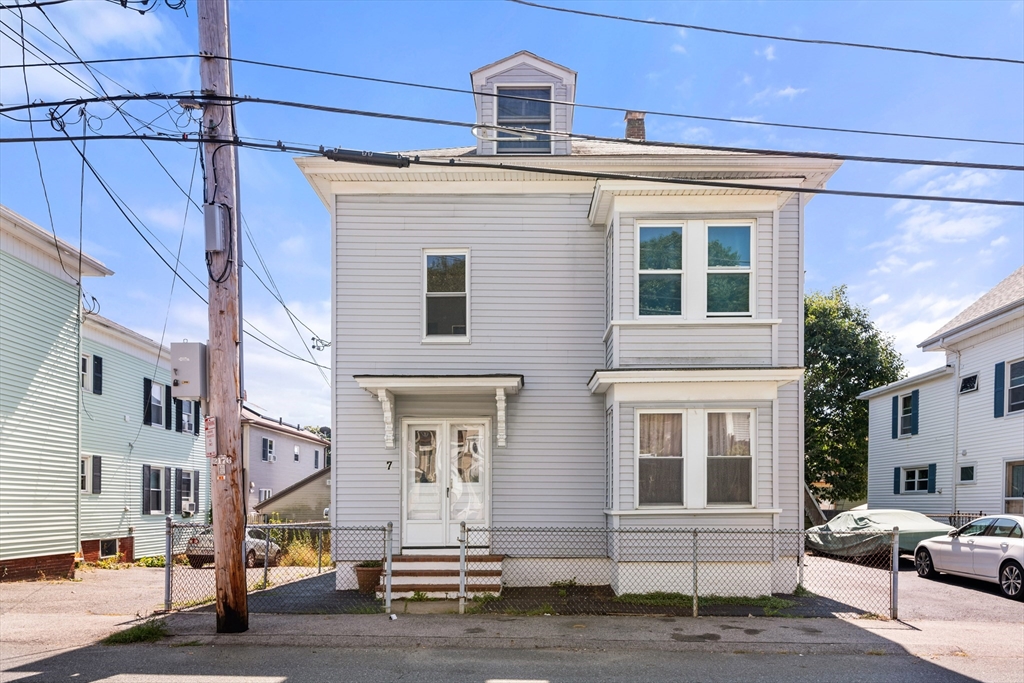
272 458
188 508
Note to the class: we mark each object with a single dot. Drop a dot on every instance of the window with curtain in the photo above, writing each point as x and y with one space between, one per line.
660 468
729 458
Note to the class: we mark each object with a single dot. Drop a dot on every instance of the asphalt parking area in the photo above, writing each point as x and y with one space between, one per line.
953 598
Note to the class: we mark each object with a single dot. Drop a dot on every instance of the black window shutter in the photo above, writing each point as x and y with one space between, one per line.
196 418
931 478
897 480
97 474
999 385
168 406
177 414
147 392
97 375
895 417
146 509
177 491
166 503
914 395
265 455
195 489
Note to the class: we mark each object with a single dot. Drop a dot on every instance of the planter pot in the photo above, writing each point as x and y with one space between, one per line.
368 578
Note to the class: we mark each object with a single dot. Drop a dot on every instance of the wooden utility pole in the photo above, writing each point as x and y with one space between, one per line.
224 396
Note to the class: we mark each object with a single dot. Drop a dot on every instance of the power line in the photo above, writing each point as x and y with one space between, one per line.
693 27
571 136
576 105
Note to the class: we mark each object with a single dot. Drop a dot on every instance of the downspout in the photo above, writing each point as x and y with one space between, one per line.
956 429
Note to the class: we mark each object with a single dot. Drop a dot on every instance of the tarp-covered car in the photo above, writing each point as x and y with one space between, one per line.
859 533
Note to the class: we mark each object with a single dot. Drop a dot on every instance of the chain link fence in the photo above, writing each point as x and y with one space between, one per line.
289 568
318 569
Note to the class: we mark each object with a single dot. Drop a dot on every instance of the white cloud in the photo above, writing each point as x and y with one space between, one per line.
773 93
919 266
888 265
917 315
881 299
747 80
293 246
768 53
678 49
999 241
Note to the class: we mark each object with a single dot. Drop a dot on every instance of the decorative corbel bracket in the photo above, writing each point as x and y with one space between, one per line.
500 397
387 403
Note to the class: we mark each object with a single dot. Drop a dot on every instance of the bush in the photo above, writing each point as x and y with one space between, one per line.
154 561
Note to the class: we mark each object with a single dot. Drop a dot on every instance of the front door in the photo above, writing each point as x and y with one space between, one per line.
445 480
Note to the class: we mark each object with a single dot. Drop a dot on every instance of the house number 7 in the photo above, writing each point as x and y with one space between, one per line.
389 463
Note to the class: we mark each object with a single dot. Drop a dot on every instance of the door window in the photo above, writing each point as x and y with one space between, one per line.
423 498
975 528
467 463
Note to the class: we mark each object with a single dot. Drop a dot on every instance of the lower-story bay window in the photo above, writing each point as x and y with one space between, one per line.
695 458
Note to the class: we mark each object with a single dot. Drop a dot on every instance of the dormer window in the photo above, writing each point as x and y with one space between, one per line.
514 112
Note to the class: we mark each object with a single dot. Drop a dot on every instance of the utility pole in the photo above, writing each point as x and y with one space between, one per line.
223 257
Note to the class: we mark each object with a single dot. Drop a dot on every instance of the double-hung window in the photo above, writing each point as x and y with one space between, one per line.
86 372
660 274
295 454
730 459
729 290
446 295
516 112
660 465
156 404
1015 397
906 414
915 479
153 489
267 454
188 417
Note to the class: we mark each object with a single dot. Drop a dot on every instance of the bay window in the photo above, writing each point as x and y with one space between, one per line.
730 460
729 270
660 465
661 271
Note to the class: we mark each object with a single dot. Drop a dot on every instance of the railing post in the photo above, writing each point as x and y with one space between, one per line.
462 567
168 561
695 573
895 571
388 554
320 549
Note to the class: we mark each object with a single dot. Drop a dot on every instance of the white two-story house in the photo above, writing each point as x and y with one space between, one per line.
952 439
528 348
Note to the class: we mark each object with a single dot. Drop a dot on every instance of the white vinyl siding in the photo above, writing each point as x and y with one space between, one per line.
279 475
39 390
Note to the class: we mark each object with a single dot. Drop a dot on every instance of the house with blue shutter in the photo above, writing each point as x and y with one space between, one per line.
952 439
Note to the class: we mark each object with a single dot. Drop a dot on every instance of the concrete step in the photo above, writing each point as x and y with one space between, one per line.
446 558
395 573
451 588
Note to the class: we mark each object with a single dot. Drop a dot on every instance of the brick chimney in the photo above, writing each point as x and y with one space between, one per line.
635 126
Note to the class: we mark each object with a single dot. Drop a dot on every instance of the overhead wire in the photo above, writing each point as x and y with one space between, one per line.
574 105
807 41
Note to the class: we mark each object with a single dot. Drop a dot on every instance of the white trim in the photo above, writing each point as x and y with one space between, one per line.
982 323
751 271
85 460
681 272
654 321
86 372
909 381
428 385
1006 387
683 512
969 482
387 404
900 415
977 383
165 505
440 338
917 468
604 379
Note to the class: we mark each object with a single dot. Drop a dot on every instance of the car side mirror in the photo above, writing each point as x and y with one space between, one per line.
953 533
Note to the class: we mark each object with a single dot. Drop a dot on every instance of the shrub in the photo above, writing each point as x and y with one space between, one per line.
154 561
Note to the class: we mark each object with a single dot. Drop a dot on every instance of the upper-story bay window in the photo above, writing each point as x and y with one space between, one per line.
729 270
521 108
660 273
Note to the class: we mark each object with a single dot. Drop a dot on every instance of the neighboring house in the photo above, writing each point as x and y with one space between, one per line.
276 455
303 501
952 439
524 348
39 406
142 452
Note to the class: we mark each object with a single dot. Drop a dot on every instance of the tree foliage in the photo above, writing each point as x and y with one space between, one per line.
844 355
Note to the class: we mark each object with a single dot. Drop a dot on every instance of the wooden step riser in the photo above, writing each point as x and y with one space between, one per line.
432 595
444 572
473 559
444 566
452 588
401 582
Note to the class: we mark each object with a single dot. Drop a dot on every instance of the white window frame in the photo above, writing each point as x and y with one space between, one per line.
977 383
164 504
186 494
1007 411
316 458
265 493
156 388
683 284
86 370
640 456
85 472
295 454
188 416
270 450
903 479
969 482
445 338
751 270
901 433
1006 472
498 87
695 440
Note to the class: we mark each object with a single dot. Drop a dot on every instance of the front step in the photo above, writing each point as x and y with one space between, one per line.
437 575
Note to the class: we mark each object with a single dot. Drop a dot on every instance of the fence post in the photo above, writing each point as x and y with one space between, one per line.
320 549
388 553
168 561
462 567
694 573
895 571
266 557
800 558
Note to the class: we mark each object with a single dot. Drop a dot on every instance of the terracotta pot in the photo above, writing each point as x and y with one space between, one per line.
368 578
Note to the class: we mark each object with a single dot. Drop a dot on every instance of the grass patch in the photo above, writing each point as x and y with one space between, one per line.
418 596
154 561
801 592
564 584
115 562
146 632
769 603
195 603
262 584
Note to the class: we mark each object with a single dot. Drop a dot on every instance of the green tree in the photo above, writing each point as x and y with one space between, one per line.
844 355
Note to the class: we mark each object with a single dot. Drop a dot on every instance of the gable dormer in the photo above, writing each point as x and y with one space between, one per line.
523 75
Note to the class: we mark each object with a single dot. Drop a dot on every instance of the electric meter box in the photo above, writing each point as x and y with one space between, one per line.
188 370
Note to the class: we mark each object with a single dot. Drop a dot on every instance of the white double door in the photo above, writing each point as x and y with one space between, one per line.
445 480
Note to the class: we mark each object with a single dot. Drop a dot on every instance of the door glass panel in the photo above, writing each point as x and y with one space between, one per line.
423 500
468 475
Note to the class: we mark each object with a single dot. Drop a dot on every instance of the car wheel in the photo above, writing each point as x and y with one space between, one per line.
274 559
195 563
250 559
923 564
1010 577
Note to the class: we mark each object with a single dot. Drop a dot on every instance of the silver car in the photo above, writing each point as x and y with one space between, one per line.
990 549
199 550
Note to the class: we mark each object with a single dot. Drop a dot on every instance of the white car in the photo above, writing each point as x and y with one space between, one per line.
989 549
255 547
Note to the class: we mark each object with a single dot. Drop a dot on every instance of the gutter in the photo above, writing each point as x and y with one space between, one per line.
909 381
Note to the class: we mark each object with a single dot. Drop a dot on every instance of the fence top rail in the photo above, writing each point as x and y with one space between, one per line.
672 531
315 527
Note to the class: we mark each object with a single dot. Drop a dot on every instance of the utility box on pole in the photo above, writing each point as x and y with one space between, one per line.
188 370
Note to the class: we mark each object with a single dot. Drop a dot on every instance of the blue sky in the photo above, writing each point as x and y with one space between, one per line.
914 264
